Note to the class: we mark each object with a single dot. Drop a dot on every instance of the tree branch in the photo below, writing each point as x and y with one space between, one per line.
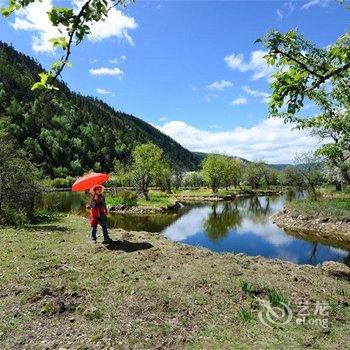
302 64
71 36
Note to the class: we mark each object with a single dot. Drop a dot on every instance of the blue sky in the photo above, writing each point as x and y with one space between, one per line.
189 67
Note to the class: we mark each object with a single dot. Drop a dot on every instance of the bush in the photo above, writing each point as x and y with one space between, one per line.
19 183
61 182
12 217
129 198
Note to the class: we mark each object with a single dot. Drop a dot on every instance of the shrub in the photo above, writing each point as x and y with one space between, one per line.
61 182
12 216
19 183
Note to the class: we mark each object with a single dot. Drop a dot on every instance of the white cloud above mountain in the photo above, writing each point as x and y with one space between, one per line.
270 140
103 91
34 18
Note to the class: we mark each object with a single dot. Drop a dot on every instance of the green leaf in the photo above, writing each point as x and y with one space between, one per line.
38 86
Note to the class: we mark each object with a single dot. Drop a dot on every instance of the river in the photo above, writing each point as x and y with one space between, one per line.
238 226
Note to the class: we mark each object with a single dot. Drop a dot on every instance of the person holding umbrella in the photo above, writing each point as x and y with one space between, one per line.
98 209
98 214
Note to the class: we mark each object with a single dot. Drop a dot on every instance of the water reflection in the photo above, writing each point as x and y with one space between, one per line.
243 225
221 219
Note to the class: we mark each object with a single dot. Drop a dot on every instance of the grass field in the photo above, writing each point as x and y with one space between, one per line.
57 290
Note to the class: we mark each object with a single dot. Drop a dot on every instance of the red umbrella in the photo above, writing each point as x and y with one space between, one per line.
90 180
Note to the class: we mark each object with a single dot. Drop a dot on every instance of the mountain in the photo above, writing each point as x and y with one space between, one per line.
65 133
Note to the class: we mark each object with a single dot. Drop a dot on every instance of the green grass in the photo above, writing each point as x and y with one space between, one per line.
246 287
334 208
276 298
156 200
146 292
245 314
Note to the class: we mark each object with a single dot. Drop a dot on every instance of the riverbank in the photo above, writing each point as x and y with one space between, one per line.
205 194
146 292
145 209
328 217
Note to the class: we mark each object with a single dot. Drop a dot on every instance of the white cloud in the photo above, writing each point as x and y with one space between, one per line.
220 85
322 3
279 14
116 72
115 25
270 139
257 64
34 18
163 119
210 97
103 91
93 60
117 60
239 101
286 9
256 93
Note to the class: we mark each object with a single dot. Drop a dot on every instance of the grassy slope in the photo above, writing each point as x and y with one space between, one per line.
333 205
57 289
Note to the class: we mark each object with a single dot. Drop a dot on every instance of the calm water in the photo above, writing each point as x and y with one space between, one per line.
239 226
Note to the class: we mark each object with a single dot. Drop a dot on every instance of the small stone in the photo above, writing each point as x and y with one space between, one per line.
71 319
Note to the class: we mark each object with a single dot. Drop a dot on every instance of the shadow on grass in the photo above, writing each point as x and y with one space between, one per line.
129 247
48 227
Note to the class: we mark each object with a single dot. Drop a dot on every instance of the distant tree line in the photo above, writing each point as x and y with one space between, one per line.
149 168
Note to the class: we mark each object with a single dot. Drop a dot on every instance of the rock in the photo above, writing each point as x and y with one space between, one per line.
336 269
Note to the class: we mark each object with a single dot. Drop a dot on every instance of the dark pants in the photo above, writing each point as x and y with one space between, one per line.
102 220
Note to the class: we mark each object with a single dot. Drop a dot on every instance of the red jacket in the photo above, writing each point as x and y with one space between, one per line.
98 208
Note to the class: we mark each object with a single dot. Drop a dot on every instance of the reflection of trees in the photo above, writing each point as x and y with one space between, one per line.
312 258
258 209
218 223
326 241
294 194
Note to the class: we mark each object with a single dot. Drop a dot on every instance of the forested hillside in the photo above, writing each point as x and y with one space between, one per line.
65 133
